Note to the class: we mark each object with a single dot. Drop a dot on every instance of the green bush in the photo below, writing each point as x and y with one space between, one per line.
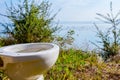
110 39
30 22
66 41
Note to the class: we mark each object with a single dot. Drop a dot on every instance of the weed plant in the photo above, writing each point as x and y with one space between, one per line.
110 39
30 22
66 41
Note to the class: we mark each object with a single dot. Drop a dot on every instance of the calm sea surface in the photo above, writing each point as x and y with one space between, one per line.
85 33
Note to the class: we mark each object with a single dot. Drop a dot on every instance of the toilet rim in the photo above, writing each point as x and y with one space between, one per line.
3 52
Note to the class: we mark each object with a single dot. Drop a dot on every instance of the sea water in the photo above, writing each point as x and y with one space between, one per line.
85 33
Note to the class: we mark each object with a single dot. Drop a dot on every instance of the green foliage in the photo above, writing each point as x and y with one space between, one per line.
111 39
30 22
3 76
69 61
6 41
78 65
1 43
66 41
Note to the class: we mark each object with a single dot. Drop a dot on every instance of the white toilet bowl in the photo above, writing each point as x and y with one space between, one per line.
28 61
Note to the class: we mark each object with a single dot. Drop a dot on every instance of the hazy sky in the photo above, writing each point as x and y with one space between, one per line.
76 10
83 10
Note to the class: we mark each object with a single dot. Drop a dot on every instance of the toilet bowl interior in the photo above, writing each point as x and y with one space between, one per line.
27 48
